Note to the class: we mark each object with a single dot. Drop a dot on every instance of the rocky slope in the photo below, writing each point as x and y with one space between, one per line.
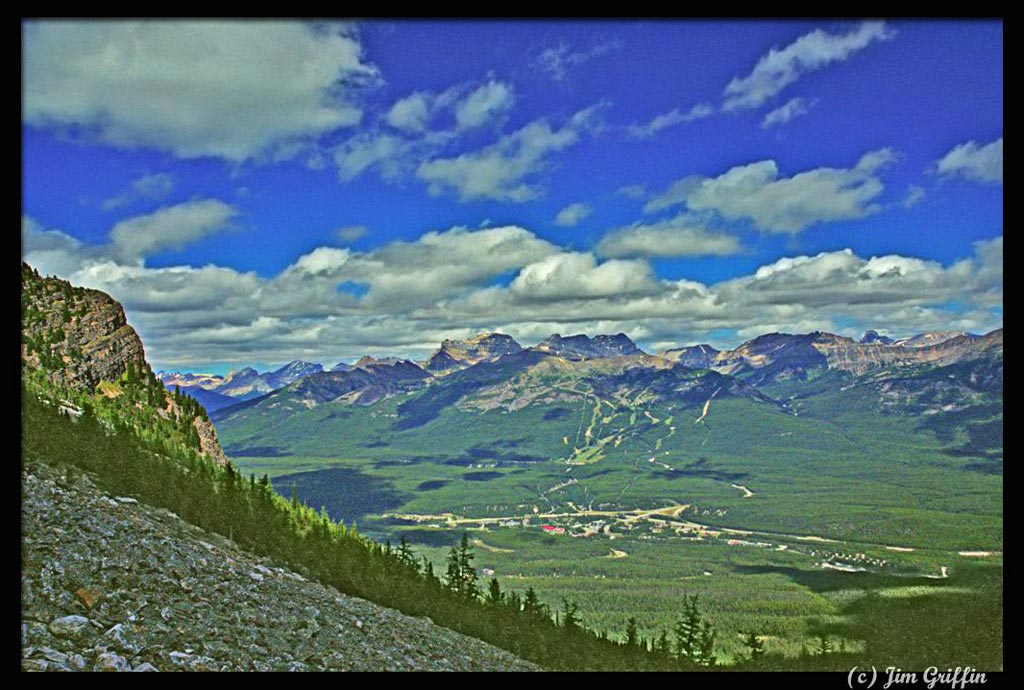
109 584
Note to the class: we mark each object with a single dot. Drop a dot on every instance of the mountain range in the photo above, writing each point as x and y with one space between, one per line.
766 359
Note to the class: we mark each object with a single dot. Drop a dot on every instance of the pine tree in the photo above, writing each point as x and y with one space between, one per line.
570 615
695 637
494 593
405 553
531 604
632 636
755 644
662 645
461 574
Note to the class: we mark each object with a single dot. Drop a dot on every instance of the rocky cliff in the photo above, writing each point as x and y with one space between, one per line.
79 338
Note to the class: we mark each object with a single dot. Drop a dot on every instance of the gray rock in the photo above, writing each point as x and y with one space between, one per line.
34 665
120 637
145 667
69 626
179 658
144 621
53 655
108 661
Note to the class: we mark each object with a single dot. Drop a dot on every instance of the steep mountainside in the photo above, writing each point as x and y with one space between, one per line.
243 384
111 584
695 357
77 343
458 354
930 338
578 347
293 371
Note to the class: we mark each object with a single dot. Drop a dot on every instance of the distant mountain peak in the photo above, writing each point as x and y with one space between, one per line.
581 346
871 337
459 354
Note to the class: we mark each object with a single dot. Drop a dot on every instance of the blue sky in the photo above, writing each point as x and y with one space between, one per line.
257 192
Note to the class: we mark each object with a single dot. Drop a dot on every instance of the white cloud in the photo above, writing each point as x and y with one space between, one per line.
500 171
677 193
566 276
410 113
915 195
235 90
454 283
781 67
364 151
558 60
973 162
146 188
757 193
484 104
572 214
172 227
351 233
784 113
669 119
679 236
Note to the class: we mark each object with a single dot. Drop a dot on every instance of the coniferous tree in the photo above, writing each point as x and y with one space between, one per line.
755 645
695 637
461 574
570 615
632 636
494 593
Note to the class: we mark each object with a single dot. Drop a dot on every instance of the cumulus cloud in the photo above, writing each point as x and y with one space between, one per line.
973 162
784 113
364 151
172 227
234 90
783 66
501 171
557 61
573 275
669 119
680 236
410 113
453 283
572 214
146 188
484 104
772 203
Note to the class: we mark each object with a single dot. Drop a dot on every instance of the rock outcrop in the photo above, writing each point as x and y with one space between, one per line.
78 336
